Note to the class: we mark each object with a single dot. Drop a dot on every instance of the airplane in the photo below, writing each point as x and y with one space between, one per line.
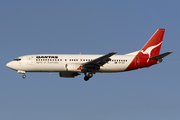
71 65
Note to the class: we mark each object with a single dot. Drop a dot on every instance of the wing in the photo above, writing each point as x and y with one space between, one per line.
99 61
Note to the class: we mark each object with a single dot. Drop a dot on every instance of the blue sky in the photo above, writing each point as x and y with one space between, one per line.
89 27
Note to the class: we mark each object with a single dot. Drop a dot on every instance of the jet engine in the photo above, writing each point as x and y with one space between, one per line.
68 74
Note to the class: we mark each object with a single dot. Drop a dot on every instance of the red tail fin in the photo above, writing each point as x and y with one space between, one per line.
153 46
150 49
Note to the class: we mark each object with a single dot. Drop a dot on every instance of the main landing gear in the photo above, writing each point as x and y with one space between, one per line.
86 77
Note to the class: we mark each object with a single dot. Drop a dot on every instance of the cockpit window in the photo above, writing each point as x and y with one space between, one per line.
17 59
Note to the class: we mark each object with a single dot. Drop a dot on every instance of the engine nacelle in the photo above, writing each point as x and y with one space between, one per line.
68 74
73 67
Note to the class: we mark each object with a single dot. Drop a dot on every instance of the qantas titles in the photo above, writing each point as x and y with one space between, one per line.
46 56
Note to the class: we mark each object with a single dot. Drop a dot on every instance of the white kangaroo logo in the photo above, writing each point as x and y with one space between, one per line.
149 49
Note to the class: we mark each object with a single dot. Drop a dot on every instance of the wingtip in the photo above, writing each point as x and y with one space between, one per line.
113 52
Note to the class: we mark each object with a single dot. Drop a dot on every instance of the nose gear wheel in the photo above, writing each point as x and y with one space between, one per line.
24 76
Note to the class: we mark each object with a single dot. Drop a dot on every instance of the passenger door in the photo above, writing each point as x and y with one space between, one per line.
30 59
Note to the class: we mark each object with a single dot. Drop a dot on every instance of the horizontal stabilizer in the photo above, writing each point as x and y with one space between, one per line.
160 57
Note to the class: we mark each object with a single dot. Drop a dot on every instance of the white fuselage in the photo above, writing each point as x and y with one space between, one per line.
59 62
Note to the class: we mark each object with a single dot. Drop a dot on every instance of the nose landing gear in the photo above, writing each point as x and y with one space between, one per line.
22 72
24 76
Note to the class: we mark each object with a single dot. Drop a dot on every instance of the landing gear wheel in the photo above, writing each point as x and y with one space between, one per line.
90 75
24 76
86 78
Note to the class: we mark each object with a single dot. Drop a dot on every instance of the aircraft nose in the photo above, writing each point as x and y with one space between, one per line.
9 65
